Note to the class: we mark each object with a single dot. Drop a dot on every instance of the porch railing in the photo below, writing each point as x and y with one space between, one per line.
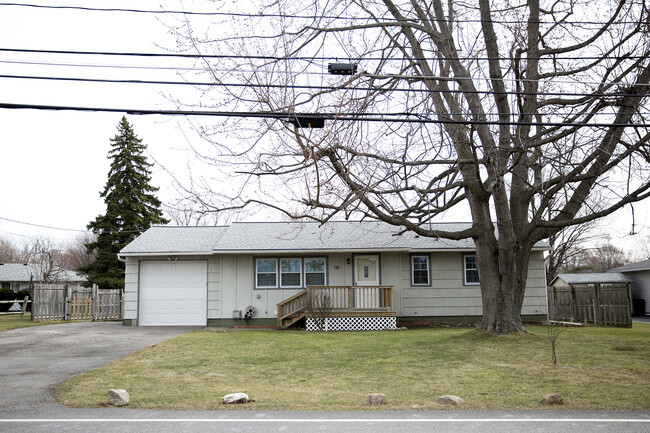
356 297
352 299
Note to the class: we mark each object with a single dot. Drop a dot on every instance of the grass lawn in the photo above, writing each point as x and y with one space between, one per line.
12 321
598 368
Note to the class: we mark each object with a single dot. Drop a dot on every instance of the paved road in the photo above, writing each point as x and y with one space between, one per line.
125 420
34 359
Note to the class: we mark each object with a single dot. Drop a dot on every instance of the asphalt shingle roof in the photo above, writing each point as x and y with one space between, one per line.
643 265
292 236
164 239
18 272
609 277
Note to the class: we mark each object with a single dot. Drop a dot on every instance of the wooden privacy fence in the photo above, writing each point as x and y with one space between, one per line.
61 302
600 304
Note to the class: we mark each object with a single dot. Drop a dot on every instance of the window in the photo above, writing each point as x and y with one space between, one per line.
420 270
266 273
471 270
315 272
290 273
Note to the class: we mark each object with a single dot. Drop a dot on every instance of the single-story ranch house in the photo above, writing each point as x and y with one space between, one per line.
18 276
373 273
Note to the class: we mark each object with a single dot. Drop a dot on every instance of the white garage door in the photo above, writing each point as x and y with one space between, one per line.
173 293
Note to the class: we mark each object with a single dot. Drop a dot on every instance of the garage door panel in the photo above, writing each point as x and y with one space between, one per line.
173 293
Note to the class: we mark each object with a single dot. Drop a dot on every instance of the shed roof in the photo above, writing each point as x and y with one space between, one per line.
643 265
276 237
604 278
20 272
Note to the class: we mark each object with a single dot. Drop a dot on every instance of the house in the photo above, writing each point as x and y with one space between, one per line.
598 298
17 276
639 274
215 275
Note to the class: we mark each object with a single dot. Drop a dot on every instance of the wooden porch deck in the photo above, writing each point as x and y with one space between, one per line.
344 301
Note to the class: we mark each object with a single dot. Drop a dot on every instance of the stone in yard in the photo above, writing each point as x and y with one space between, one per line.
552 399
236 398
375 399
118 397
450 399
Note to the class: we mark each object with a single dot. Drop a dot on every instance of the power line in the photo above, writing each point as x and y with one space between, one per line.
293 117
43 226
67 229
277 15
363 74
310 87
302 58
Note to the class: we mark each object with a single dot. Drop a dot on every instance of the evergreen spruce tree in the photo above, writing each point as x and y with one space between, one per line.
131 208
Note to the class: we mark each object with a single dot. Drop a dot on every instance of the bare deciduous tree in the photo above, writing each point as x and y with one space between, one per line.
521 113
193 212
12 253
45 259
74 254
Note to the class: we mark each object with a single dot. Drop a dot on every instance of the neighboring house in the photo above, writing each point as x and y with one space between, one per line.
639 274
599 298
17 276
210 275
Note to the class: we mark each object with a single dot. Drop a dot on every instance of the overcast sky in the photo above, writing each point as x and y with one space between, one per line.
54 164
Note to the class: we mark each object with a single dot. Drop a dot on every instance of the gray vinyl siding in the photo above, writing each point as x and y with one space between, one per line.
131 288
214 287
448 296
535 301
640 287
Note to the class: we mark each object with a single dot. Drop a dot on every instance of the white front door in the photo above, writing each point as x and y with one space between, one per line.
366 273
366 270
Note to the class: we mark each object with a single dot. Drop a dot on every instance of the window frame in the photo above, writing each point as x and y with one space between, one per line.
300 273
277 281
465 269
324 259
278 273
428 269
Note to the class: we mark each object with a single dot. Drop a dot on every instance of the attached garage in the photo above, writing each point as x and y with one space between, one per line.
173 293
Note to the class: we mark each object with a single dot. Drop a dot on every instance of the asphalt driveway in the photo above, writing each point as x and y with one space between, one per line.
33 359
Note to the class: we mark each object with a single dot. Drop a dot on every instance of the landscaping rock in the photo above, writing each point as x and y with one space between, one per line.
552 399
375 399
118 397
450 399
237 398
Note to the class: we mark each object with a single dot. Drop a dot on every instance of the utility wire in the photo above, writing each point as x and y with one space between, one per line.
310 117
42 226
302 58
364 74
66 229
309 17
312 87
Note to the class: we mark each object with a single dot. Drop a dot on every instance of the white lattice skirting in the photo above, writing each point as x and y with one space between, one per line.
353 323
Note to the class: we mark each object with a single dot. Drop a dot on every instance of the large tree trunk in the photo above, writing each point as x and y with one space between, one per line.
503 272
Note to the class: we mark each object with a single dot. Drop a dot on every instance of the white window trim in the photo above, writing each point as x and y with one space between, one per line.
277 273
428 283
300 272
465 271
324 259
